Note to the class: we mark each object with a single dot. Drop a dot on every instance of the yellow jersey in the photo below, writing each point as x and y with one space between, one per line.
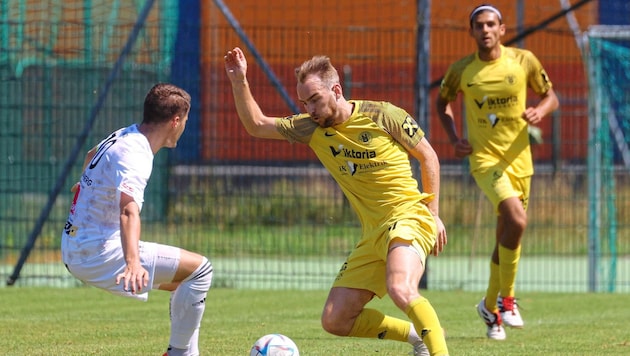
495 94
367 156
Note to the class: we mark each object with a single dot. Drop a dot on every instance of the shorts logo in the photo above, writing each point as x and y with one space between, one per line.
342 269
496 175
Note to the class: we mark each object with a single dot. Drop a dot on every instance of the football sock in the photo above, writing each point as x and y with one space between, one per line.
494 285
508 263
374 324
173 351
425 319
413 335
193 348
188 303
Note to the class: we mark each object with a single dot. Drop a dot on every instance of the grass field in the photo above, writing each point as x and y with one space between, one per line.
87 321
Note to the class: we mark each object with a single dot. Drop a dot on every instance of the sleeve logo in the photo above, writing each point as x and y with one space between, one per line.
410 126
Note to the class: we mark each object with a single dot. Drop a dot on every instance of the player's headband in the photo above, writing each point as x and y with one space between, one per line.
481 8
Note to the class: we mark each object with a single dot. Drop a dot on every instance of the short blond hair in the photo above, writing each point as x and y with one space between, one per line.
319 66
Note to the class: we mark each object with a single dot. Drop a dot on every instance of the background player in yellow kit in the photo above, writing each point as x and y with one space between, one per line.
494 82
365 145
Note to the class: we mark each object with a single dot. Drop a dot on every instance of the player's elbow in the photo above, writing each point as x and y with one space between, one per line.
259 131
552 100
261 127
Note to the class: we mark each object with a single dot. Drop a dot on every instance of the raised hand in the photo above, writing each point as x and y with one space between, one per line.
235 64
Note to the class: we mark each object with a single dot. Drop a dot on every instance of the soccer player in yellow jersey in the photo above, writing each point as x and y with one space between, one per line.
365 145
494 82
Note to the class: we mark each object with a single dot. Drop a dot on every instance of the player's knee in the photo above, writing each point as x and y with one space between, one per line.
517 223
402 294
202 276
331 324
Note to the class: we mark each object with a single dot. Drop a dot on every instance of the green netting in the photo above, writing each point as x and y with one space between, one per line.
55 60
609 63
84 33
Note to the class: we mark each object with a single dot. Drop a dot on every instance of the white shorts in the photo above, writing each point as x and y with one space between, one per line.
160 260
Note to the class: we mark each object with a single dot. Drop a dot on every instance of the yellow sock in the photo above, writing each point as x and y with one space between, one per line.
428 325
374 324
508 263
494 286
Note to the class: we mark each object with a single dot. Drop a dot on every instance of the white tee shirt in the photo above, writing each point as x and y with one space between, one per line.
123 163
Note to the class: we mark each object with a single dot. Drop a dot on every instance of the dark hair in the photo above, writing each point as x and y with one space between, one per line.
320 66
165 101
482 8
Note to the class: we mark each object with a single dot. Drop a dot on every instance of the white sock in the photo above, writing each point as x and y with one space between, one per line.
413 335
188 303
193 348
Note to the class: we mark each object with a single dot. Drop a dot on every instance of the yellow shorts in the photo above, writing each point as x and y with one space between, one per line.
365 267
498 185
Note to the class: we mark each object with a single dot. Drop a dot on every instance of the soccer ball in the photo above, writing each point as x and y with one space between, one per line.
274 345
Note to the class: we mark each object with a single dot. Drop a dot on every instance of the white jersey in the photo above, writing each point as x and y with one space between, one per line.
122 164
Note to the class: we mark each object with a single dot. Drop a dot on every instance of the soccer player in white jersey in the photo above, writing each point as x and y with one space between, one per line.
365 145
494 82
101 243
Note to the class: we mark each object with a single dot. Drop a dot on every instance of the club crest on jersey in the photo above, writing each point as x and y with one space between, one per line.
510 79
365 137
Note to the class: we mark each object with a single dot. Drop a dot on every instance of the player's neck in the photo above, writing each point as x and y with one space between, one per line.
346 112
489 54
154 134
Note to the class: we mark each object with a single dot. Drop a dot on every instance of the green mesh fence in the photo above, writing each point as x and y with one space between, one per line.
609 154
55 61
278 224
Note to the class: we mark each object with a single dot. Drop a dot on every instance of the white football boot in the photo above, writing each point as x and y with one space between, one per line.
492 320
509 312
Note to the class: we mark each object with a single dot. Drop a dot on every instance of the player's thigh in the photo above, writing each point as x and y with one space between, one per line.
167 262
498 186
364 269
102 270
188 263
346 302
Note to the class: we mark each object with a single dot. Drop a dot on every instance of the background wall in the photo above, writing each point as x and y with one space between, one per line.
376 43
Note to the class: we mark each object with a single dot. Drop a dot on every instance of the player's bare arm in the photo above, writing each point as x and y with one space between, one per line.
134 277
430 175
445 113
255 121
548 103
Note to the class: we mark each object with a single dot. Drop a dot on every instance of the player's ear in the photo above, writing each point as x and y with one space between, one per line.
175 122
336 88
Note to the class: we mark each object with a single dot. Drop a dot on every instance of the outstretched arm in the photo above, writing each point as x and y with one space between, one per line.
430 175
255 122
